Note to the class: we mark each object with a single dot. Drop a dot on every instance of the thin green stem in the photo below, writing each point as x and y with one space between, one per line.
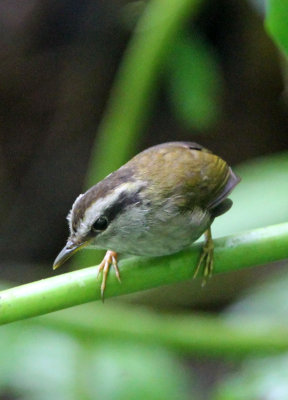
194 334
132 94
231 253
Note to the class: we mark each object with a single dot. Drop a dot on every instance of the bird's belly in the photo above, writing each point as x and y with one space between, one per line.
163 237
168 242
171 239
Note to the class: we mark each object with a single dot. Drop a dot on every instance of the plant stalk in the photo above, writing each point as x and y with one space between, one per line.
232 253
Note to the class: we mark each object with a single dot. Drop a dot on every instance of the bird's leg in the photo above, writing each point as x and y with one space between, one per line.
109 258
206 257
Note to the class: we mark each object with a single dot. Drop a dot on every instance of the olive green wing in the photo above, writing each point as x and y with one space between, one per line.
231 180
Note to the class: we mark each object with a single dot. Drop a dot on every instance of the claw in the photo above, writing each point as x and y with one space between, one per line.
207 257
115 265
109 258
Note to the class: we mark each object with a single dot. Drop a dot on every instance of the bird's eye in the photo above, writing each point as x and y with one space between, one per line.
100 224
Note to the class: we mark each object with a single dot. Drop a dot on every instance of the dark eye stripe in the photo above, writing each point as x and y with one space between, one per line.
123 201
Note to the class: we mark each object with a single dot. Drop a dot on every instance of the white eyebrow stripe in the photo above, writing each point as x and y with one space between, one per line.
96 209
69 216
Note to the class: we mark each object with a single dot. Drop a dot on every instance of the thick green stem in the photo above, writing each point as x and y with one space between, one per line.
231 253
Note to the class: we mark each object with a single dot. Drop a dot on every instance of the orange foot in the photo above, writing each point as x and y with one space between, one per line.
110 258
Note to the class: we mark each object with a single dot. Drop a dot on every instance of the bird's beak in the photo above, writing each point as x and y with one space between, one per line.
68 251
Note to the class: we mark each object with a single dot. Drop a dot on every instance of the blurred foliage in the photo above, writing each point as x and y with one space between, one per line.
131 99
38 363
265 377
258 379
261 197
276 22
41 363
194 82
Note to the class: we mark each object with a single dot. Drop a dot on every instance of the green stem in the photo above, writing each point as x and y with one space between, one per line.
200 334
231 253
133 91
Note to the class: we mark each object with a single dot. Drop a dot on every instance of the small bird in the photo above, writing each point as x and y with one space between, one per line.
156 204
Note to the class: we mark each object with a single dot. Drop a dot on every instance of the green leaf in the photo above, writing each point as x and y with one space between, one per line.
120 371
269 299
277 22
263 307
194 82
40 364
260 199
259 379
37 363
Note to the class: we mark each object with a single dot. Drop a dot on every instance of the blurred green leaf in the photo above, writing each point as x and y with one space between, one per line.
42 364
259 379
127 372
37 363
194 81
276 22
260 199
268 299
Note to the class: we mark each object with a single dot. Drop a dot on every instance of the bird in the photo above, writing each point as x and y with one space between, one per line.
158 203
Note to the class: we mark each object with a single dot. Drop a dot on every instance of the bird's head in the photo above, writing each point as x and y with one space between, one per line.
97 215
